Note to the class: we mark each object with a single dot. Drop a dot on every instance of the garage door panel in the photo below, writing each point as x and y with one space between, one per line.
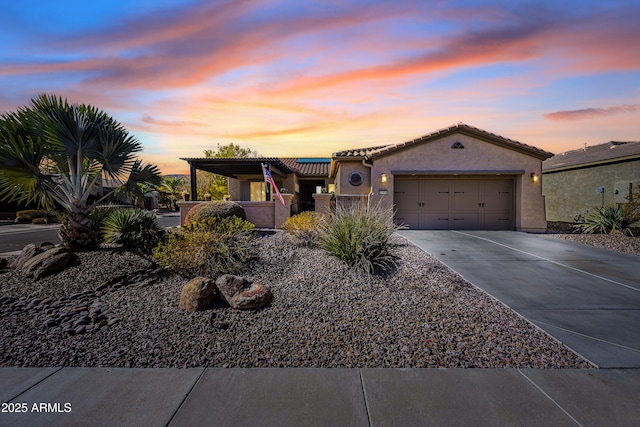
463 202
435 195
466 221
452 203
431 188
407 195
497 221
409 219
498 196
436 221
465 196
436 204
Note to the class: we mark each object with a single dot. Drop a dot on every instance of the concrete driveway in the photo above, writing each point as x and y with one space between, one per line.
586 297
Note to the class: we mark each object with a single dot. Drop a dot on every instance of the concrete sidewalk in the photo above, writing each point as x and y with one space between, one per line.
319 397
586 297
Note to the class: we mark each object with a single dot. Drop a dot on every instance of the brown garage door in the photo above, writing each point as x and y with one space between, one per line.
454 204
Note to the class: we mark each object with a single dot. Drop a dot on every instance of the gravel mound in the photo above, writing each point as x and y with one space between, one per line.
323 315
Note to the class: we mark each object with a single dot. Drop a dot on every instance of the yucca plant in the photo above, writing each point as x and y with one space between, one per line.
361 237
606 220
53 151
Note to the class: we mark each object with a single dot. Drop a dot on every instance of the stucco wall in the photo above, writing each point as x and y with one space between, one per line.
477 158
234 189
573 192
343 187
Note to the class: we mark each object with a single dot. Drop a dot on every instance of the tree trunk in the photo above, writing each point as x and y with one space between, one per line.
78 232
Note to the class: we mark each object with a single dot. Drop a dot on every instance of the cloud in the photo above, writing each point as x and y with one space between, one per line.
183 47
173 123
280 132
324 47
589 113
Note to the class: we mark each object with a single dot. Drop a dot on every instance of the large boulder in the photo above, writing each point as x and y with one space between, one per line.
47 262
242 294
198 294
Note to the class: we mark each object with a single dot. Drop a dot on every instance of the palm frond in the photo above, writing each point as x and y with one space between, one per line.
22 155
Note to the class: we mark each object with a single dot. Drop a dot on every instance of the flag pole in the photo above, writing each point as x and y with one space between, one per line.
267 186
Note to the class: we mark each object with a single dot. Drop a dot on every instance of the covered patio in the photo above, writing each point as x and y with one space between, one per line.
240 169
264 213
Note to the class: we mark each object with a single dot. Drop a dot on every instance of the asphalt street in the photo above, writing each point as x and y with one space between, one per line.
14 237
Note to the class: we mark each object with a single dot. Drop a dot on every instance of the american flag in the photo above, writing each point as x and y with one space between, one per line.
269 180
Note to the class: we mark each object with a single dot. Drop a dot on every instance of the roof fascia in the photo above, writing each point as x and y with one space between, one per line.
534 152
593 164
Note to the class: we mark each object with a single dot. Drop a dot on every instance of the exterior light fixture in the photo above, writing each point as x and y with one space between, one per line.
534 177
383 177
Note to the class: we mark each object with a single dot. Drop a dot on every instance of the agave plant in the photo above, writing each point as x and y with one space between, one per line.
135 229
606 220
53 151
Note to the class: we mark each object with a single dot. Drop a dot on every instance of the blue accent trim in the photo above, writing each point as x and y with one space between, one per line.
314 160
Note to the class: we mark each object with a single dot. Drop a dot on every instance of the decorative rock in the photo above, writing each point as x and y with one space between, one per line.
28 252
198 294
242 294
45 246
47 262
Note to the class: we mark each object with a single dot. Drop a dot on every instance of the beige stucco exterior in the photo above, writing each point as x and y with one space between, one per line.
436 157
573 191
344 188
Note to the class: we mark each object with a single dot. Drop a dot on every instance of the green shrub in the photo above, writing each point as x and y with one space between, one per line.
135 229
305 227
217 209
605 220
208 247
360 237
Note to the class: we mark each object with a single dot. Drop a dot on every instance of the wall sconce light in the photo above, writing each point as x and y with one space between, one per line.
534 177
383 177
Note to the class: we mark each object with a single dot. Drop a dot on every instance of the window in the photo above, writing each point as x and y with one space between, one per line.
356 178
457 145
257 191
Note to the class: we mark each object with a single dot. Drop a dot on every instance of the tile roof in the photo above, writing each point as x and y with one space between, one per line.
374 152
308 167
597 154
360 152
232 166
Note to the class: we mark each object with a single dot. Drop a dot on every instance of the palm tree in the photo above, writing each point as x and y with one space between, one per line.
172 186
53 151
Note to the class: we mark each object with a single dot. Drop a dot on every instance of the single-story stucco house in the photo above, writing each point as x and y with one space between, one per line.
595 176
460 177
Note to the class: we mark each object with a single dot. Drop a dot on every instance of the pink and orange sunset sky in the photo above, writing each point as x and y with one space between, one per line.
308 78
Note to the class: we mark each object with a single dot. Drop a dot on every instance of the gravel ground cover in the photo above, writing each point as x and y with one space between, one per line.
618 243
323 315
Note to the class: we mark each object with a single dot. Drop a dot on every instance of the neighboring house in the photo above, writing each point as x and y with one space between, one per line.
461 177
579 180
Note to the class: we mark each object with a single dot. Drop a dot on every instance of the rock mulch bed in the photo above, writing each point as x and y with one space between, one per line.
618 243
322 315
